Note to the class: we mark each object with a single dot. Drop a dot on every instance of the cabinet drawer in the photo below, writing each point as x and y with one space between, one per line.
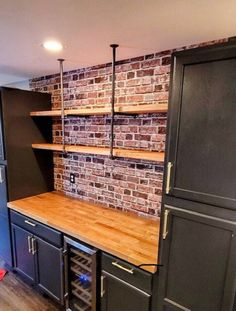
127 272
51 235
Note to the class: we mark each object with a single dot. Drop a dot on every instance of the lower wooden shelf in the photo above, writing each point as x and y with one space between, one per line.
88 149
125 109
120 153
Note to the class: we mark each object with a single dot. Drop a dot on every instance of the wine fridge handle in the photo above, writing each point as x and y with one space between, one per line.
66 278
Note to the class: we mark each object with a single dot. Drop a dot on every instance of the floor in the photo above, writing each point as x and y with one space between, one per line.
15 295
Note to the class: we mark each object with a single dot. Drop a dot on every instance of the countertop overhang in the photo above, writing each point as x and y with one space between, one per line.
127 236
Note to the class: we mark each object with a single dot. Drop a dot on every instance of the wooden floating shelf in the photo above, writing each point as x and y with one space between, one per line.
53 147
139 109
49 113
88 111
139 154
120 153
88 150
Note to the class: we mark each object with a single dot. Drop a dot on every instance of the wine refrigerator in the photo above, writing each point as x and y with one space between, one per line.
80 276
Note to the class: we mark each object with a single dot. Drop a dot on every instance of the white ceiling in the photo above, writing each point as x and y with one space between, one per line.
88 27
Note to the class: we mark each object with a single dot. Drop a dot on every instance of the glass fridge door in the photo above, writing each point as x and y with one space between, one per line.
80 276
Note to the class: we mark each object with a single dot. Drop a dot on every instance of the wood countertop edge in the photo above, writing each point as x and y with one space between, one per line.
83 238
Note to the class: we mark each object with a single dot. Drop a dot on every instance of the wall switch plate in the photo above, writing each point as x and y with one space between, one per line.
72 178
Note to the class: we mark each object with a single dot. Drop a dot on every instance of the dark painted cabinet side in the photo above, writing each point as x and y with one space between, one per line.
2 150
29 172
5 240
24 172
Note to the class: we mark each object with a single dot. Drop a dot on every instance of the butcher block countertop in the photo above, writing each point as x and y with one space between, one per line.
127 236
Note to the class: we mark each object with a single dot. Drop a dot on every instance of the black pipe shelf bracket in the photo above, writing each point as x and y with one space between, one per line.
61 60
114 47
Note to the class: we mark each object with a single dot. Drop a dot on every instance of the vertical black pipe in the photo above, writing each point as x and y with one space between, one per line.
61 60
114 47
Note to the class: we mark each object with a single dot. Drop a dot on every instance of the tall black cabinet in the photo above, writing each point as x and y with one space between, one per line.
198 247
22 171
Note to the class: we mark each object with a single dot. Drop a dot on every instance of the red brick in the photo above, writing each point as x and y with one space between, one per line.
140 194
151 63
145 72
135 65
135 98
130 75
144 89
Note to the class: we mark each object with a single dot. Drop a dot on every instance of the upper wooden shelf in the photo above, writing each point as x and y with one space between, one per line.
139 109
120 153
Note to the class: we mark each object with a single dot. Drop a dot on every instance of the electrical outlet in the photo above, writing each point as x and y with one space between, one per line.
72 178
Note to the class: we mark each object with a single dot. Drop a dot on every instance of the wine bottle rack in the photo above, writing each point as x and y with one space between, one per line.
82 277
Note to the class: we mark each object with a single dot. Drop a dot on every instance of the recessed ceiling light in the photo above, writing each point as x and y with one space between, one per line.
53 46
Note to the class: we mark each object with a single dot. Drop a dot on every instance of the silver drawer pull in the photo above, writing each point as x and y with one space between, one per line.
29 245
34 250
2 177
30 223
116 264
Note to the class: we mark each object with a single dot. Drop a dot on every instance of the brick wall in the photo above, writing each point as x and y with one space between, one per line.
129 185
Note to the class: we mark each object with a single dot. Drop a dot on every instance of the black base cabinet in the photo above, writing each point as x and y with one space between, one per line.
23 258
199 272
49 268
38 255
124 287
119 295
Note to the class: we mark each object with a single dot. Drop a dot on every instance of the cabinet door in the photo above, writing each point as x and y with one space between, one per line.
119 295
202 120
49 268
5 241
23 255
199 271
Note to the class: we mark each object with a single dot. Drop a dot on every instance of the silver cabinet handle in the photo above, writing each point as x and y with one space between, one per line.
116 264
29 245
168 187
30 223
165 224
102 286
34 250
2 175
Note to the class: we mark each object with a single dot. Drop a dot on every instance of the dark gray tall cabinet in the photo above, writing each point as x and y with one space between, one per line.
22 171
198 247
